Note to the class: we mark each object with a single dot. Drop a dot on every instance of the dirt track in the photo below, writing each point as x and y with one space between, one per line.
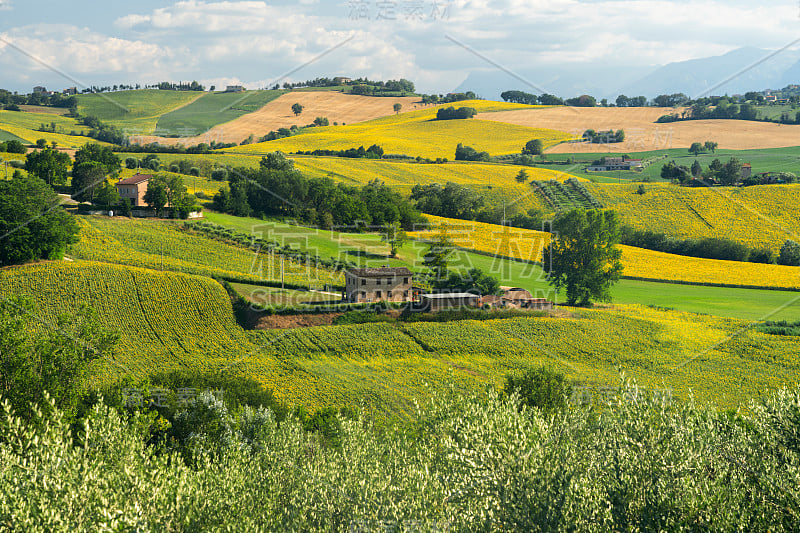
337 107
643 134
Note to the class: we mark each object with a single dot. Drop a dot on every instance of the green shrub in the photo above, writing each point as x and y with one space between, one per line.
542 388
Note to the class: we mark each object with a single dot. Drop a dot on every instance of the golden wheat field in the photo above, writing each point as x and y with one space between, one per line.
642 133
527 245
418 134
758 216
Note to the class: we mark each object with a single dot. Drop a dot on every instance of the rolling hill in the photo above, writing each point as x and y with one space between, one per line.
176 321
418 133
335 106
642 133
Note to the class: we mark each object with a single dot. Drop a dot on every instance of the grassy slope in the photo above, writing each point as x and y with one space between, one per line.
135 111
417 133
211 110
169 320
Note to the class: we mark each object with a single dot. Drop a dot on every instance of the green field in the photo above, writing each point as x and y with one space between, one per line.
134 111
211 110
762 160
6 136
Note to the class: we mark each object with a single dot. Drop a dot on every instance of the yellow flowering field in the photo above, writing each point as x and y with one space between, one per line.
165 320
527 245
169 320
641 263
758 216
140 242
417 134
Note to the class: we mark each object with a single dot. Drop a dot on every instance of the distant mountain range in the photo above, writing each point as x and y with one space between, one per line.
738 71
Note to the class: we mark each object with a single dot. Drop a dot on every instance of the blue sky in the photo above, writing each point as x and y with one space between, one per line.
257 42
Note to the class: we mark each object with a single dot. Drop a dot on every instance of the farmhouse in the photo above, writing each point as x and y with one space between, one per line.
234 89
133 188
341 80
615 163
747 170
378 284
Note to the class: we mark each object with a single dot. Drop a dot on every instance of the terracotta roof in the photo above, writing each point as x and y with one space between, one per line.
379 272
135 179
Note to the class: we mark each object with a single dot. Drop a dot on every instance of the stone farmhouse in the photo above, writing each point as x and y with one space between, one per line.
378 284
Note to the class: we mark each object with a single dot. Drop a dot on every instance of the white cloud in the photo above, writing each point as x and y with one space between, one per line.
5 5
254 39
76 51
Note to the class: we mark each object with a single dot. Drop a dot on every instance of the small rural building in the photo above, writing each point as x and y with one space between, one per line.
39 89
448 300
747 170
133 188
234 89
377 284
616 163
341 80
70 91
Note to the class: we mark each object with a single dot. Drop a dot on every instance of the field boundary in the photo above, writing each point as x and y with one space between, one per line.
711 284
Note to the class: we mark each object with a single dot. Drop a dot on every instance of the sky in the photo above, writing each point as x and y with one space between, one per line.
436 44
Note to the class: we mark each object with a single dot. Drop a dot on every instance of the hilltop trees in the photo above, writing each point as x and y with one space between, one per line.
451 113
519 97
32 223
583 257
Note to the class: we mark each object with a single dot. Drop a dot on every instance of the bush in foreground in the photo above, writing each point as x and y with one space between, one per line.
477 463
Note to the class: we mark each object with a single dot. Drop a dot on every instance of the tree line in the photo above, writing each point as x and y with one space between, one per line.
276 188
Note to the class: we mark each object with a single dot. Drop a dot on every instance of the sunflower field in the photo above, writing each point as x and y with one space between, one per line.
527 245
757 216
417 133
153 244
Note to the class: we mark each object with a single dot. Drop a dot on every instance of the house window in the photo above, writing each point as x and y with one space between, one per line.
363 282
377 294
405 281
405 294
388 294
377 282
388 281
